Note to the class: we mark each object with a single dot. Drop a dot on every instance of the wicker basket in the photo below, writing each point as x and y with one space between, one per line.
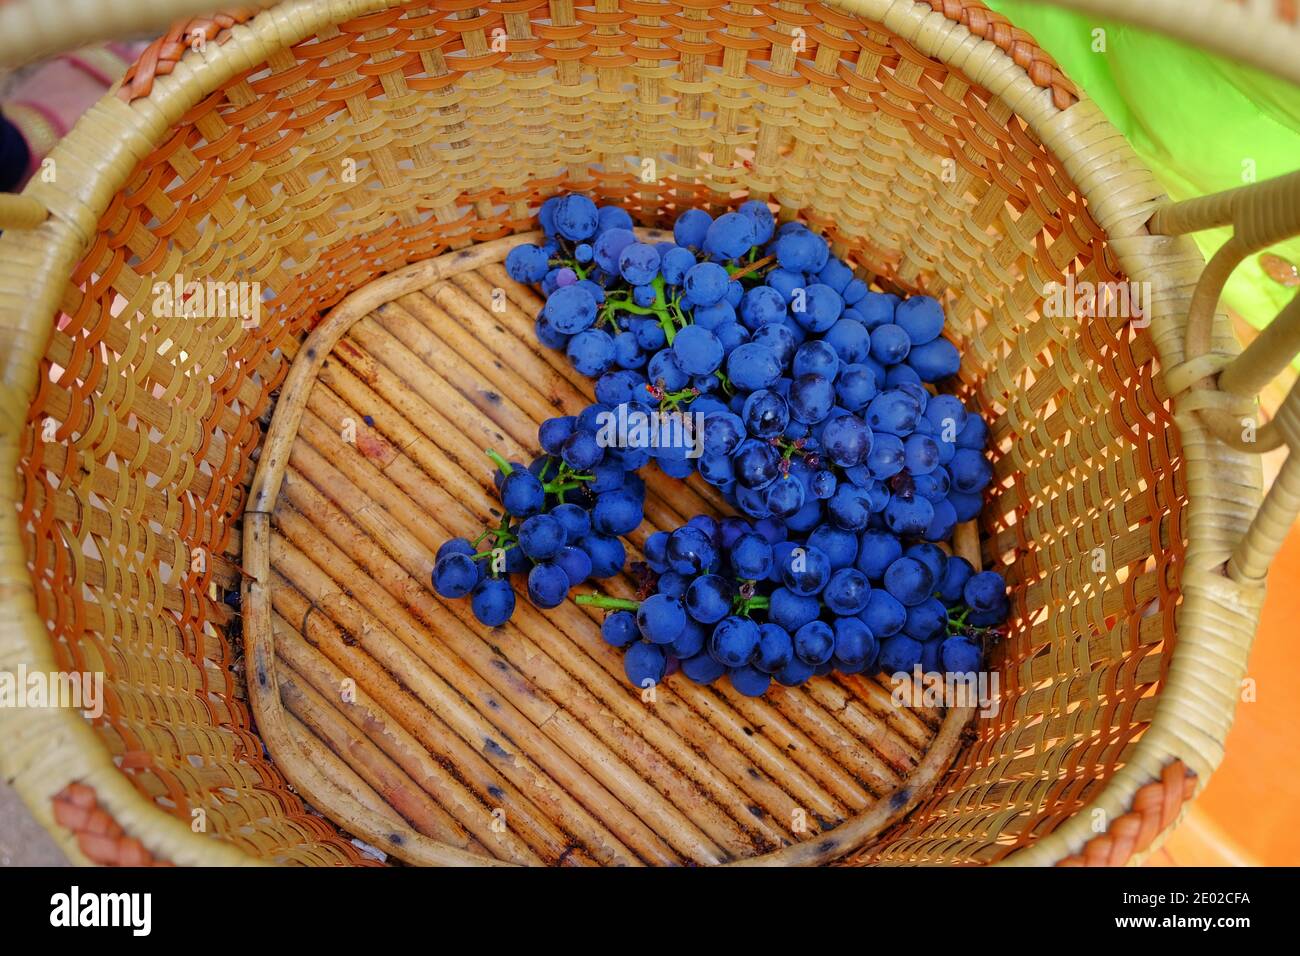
367 163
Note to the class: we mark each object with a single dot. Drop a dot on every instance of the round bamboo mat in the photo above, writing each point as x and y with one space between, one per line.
441 741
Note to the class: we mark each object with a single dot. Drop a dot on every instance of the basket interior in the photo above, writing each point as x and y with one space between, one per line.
403 134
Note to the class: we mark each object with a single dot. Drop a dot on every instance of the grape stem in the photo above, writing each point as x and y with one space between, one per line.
607 602
754 266
505 466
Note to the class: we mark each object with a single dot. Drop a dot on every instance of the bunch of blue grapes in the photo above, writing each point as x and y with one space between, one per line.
563 516
807 399
744 599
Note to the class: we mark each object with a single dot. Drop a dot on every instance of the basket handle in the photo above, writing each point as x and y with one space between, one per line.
1222 390
32 29
1262 33
1260 215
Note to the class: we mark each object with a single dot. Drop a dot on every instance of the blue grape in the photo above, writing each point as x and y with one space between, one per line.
791 610
801 251
706 283
591 352
698 350
846 439
777 337
674 265
607 554
644 664
691 641
454 546
920 454
762 305
816 357
703 668
935 360
691 227
970 471
761 220
580 451
909 580
757 464
541 537
822 306
812 396
814 643
961 655
855 645
775 648
884 613
729 236
846 592
957 571
522 495
984 591
926 620
889 344
661 618
638 263
455 575
850 340
493 602
527 264
894 411
691 551
708 598
570 310
806 572
576 217
900 654
575 562
750 681
751 556
666 372
765 414
619 628
908 516
547 584
840 546
794 673
751 367
877 309
921 317
734 641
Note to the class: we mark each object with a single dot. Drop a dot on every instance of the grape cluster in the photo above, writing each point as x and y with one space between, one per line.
743 599
755 357
563 518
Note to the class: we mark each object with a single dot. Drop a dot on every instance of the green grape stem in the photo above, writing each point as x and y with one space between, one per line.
505 466
607 602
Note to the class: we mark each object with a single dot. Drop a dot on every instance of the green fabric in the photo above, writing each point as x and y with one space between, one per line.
1197 120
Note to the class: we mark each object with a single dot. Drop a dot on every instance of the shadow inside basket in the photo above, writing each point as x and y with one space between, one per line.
525 743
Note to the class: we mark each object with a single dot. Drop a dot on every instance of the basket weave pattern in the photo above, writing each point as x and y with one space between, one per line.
917 175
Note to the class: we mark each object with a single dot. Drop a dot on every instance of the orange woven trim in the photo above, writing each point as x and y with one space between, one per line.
1155 808
161 56
98 835
1016 43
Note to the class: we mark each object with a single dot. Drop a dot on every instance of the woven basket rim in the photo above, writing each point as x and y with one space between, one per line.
58 747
